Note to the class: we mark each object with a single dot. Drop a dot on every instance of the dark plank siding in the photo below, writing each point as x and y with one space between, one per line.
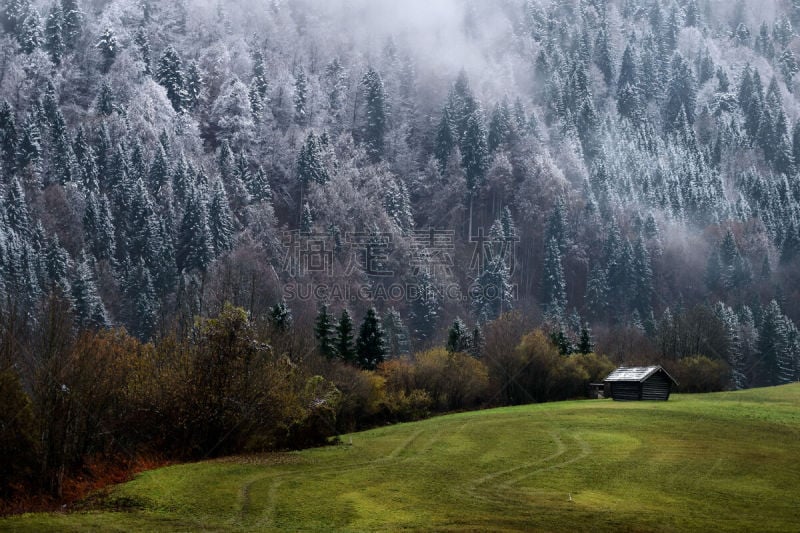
656 387
623 390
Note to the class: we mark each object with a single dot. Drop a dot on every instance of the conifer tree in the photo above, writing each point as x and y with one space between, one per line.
554 290
458 337
107 45
89 308
280 316
301 108
195 248
30 34
323 331
475 151
169 74
53 34
220 219
8 138
345 348
370 345
396 334
72 25
375 111
310 164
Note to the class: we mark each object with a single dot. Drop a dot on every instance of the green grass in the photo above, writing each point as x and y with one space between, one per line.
716 462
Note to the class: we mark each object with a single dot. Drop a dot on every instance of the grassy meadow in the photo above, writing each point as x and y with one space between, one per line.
714 462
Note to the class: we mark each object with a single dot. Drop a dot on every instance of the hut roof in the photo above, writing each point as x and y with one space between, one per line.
636 373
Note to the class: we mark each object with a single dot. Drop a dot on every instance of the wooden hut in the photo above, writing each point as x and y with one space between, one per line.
639 383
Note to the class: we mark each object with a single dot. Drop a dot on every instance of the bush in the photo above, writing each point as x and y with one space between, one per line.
453 380
698 373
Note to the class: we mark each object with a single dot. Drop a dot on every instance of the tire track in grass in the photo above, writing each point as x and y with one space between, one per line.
268 516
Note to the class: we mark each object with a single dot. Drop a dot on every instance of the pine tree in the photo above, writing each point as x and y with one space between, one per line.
72 23
585 344
773 342
603 56
501 127
554 291
310 164
170 75
195 248
99 227
30 34
53 34
643 279
597 292
280 316
193 87
458 337
143 302
345 349
681 93
445 141
323 331
301 109
107 45
493 292
259 81
475 151
142 43
396 334
58 265
8 138
370 345
425 307
220 219
105 100
375 109
89 308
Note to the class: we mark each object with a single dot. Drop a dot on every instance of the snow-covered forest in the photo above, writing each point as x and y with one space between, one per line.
625 171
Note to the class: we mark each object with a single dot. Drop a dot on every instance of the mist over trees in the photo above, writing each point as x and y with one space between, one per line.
623 173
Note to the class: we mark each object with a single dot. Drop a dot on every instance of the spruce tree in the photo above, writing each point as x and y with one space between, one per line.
301 107
280 316
8 138
53 34
323 332
370 345
220 219
89 308
375 111
310 164
72 25
107 45
195 248
554 290
345 349
458 337
169 73
475 151
396 334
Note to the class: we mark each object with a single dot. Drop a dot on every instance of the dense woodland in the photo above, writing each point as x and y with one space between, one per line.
250 225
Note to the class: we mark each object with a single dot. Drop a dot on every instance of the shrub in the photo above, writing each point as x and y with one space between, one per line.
698 373
453 380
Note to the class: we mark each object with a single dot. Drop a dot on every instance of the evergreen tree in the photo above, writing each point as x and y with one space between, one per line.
345 348
396 334
375 120
425 307
280 316
220 219
370 345
193 88
53 34
72 25
493 292
585 344
458 337
30 34
554 289
323 331
301 109
142 43
501 127
475 151
105 100
603 56
643 279
58 265
8 138
310 164
445 141
773 343
170 75
107 45
195 247
143 302
597 292
89 308
681 94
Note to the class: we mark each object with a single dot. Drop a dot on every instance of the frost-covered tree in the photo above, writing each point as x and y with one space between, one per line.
370 344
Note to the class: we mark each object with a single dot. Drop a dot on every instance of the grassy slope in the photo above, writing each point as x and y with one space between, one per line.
728 461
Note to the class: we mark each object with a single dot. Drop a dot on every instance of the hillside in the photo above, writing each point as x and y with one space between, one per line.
722 462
